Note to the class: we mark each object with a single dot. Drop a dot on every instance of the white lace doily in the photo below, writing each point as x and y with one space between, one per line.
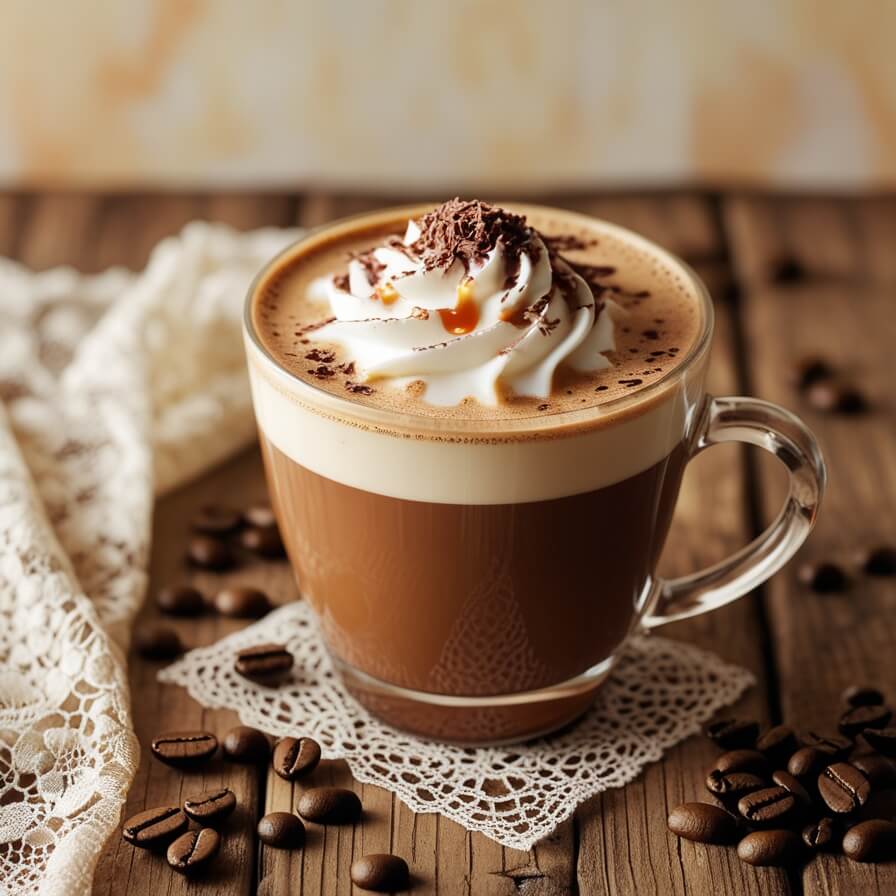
659 693
115 386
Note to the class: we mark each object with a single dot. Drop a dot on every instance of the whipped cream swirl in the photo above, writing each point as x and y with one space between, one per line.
472 303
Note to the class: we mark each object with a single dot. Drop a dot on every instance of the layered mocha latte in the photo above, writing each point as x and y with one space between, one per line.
474 424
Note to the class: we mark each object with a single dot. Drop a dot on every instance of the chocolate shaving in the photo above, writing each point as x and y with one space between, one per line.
373 267
340 281
323 372
358 388
348 368
566 242
318 354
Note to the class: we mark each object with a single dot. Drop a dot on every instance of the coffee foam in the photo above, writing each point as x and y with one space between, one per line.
394 444
656 335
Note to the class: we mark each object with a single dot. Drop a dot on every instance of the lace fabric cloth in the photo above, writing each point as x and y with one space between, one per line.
658 694
116 387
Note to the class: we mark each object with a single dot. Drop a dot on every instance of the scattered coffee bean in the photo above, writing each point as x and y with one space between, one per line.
208 552
830 744
742 761
880 561
807 762
154 827
843 788
295 757
833 396
880 771
260 516
282 830
264 542
768 806
811 370
330 805
180 600
184 747
783 269
822 578
861 695
211 807
769 848
264 663
857 718
732 734
793 785
732 786
242 602
703 823
155 641
213 520
778 743
819 834
194 850
380 872
882 739
871 841
247 745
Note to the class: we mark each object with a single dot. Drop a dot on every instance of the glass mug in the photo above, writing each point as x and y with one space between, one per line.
474 580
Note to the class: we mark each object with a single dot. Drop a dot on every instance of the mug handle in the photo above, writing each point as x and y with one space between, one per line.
784 435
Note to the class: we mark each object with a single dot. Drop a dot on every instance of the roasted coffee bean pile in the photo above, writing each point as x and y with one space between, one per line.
191 850
221 533
828 577
782 795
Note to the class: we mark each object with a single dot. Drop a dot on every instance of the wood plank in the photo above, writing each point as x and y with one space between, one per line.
822 644
624 846
126 230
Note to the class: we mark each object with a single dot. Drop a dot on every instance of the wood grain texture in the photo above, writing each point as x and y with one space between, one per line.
617 843
845 311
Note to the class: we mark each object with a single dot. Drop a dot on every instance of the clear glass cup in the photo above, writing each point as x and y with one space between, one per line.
493 621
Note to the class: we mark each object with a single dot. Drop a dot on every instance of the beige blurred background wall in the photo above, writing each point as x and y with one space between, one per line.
399 94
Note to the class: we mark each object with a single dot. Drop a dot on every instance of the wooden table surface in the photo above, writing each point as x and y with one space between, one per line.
803 648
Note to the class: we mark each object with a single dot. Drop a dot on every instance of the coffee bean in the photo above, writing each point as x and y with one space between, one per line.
778 743
811 370
882 739
247 745
380 872
881 804
806 762
180 600
835 396
742 761
843 788
330 805
732 734
871 841
862 695
792 785
208 552
784 269
772 805
880 561
264 542
880 771
260 516
770 848
264 663
819 834
703 823
282 830
154 641
213 520
857 718
242 602
831 744
732 786
194 850
295 757
154 827
851 400
823 578
210 807
184 747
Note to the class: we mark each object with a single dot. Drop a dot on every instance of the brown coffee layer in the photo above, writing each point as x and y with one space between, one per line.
664 321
